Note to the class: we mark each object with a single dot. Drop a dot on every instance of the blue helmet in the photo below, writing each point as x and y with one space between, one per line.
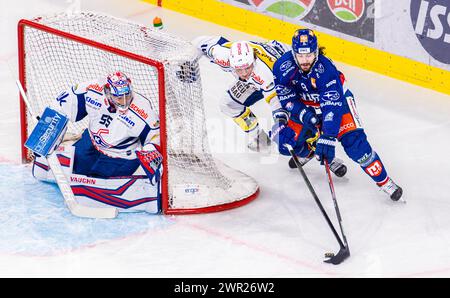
304 41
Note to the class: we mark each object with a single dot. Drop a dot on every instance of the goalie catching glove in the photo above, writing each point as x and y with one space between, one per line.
151 161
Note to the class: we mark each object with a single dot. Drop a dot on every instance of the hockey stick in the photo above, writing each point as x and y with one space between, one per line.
344 251
61 179
341 255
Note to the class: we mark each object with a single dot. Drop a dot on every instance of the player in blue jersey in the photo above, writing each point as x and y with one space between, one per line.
313 90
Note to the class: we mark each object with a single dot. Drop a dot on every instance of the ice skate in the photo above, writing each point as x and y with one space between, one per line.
259 142
338 167
393 190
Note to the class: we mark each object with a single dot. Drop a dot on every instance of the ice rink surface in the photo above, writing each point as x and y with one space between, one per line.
282 233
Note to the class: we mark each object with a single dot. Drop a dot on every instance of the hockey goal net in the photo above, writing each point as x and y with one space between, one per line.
58 51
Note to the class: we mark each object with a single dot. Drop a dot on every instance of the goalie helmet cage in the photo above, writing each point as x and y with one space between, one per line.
58 51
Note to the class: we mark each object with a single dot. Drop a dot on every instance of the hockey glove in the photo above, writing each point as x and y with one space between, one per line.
282 134
151 163
309 118
325 148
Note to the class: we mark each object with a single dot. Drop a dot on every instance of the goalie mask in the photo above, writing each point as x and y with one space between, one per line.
118 91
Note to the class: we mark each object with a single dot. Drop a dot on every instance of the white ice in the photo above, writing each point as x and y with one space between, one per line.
280 234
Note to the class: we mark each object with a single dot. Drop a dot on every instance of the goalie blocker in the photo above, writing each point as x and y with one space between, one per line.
48 132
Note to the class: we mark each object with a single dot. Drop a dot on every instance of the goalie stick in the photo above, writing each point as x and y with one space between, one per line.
343 252
61 179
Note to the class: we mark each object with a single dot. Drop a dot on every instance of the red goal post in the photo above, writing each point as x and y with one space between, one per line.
58 51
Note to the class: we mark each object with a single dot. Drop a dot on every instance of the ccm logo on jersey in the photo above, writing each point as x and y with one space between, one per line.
139 111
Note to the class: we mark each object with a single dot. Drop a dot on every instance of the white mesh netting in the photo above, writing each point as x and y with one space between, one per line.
53 63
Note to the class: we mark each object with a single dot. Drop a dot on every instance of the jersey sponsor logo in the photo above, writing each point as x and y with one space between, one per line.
83 180
139 111
285 65
62 98
313 83
331 95
257 78
348 11
127 120
374 169
95 87
93 102
287 71
330 83
347 126
286 97
282 90
431 23
331 103
367 158
223 63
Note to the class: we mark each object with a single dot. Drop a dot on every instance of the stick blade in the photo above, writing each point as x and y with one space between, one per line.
343 254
